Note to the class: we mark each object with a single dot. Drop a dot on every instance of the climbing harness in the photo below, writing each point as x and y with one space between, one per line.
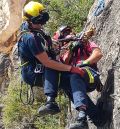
39 68
26 90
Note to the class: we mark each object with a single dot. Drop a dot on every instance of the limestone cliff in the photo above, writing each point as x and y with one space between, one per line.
108 37
10 19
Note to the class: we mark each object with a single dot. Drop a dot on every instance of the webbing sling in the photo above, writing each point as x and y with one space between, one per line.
19 38
21 65
91 78
82 52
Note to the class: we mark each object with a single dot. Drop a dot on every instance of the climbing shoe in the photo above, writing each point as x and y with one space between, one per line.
49 108
80 123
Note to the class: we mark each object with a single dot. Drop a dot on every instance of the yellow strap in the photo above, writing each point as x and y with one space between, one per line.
24 64
90 75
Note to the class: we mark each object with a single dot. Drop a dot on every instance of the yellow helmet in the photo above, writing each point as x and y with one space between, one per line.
35 12
32 9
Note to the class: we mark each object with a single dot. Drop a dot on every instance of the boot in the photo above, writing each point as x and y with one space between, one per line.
50 107
80 122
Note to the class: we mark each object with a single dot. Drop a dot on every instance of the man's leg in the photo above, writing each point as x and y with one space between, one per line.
50 90
65 84
51 82
79 87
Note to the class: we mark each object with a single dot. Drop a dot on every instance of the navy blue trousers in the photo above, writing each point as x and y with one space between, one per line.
74 86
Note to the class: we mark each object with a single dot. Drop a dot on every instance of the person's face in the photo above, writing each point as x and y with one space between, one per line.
85 40
36 26
65 33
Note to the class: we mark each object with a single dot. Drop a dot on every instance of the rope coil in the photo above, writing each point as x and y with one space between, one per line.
29 94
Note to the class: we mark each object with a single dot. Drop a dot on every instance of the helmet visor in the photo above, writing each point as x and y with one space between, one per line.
40 19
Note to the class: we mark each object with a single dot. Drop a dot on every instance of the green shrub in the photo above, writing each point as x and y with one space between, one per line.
14 111
67 12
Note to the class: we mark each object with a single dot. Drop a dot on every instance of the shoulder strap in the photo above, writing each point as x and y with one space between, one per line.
19 36
46 38
22 33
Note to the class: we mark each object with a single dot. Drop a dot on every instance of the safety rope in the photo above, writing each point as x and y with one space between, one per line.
29 93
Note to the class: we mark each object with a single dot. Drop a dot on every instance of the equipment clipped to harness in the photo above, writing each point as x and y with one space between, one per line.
91 78
26 90
26 93
39 68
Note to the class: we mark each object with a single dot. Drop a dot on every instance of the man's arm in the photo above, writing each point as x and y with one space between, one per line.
38 51
43 58
95 56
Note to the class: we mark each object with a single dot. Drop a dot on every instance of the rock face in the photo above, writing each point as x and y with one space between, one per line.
10 19
3 14
108 38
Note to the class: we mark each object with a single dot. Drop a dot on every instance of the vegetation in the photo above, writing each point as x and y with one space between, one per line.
68 12
62 12
16 114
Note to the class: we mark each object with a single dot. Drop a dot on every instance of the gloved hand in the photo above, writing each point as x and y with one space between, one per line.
77 70
83 63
